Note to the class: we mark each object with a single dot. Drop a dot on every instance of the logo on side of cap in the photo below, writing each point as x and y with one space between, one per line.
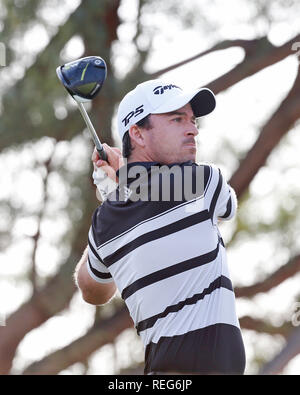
134 113
159 90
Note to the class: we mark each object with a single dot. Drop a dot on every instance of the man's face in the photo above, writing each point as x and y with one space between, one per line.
172 136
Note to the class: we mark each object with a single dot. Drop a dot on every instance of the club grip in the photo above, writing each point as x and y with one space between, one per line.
102 154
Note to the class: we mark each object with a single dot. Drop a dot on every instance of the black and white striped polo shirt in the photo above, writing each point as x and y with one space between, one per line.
168 261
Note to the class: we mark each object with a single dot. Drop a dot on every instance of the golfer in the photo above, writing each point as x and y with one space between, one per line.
156 237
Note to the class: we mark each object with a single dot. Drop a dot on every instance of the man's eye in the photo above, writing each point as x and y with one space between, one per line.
178 119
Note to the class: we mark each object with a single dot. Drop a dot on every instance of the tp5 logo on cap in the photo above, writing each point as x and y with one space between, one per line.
159 90
134 113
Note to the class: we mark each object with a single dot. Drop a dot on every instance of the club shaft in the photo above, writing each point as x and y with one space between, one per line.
92 130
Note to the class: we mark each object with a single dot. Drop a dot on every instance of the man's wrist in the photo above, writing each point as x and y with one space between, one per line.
105 185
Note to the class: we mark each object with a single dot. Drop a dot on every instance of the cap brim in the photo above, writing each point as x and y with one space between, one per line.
202 102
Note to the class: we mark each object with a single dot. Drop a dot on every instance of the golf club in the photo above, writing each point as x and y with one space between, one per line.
83 79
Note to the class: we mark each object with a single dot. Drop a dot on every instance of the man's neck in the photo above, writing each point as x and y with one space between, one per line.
140 157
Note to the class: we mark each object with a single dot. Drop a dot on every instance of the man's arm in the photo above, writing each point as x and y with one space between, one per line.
92 291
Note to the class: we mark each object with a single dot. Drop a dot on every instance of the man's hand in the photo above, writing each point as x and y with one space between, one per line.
115 161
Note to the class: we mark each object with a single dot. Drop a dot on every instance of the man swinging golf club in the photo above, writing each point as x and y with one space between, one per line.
165 254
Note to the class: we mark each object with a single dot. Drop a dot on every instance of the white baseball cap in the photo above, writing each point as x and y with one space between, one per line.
159 97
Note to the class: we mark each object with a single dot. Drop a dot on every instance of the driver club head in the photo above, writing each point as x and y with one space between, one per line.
83 78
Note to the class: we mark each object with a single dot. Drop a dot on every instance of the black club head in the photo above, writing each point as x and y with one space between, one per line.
83 77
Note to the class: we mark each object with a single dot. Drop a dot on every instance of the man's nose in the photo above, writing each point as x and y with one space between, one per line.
191 131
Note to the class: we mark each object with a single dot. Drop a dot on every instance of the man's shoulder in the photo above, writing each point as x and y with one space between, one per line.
214 170
191 165
207 166
96 214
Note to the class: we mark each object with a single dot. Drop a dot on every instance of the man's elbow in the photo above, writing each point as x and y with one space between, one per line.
94 293
90 299
95 299
86 294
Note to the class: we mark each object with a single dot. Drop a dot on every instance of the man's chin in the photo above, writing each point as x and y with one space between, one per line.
186 158
189 156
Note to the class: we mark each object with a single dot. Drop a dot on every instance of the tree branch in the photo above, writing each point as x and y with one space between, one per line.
259 54
283 273
104 332
262 326
289 351
36 236
245 44
272 132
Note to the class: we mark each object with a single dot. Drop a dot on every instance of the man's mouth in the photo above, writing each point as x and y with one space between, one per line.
189 143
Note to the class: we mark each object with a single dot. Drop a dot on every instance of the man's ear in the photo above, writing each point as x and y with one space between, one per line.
137 136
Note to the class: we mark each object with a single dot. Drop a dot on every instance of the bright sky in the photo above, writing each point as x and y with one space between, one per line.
240 112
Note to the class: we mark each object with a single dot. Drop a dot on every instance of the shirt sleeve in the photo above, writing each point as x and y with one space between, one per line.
224 202
228 204
96 268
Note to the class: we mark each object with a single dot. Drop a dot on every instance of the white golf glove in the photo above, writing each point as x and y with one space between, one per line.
105 184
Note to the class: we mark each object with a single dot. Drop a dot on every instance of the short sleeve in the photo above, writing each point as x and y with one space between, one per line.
228 203
96 268
223 203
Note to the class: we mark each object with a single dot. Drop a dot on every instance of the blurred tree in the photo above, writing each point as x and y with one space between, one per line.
34 106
